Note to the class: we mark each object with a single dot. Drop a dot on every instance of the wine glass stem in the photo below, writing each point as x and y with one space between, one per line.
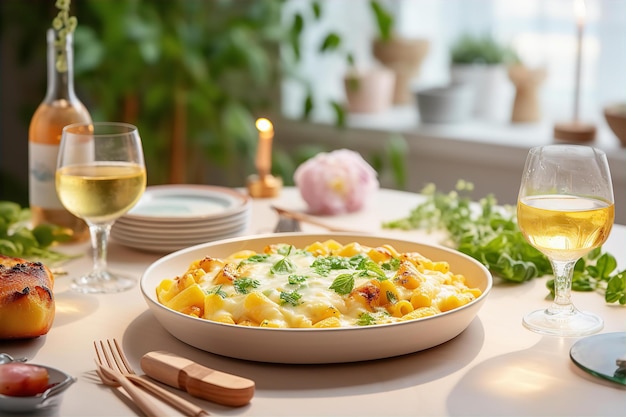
99 241
563 272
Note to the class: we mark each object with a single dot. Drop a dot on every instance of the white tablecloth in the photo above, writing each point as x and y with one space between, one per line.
496 367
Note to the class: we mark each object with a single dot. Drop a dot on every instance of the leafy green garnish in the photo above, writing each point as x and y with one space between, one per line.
598 272
218 291
258 258
284 266
392 265
18 240
366 319
490 234
294 279
343 284
324 264
369 268
292 298
245 284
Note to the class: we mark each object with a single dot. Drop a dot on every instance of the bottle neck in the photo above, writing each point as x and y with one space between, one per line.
60 78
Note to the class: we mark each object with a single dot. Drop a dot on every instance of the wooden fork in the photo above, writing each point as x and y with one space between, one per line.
113 356
109 376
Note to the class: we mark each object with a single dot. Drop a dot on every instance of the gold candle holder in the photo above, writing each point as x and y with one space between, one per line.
264 184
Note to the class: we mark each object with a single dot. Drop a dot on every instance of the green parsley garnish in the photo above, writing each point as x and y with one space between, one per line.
324 264
292 298
258 258
294 279
218 291
245 284
392 265
366 319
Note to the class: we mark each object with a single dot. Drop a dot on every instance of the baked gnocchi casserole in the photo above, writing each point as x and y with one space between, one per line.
323 285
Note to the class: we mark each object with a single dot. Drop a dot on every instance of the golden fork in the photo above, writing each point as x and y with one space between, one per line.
113 356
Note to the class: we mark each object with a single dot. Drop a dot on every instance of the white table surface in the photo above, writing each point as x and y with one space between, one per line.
494 368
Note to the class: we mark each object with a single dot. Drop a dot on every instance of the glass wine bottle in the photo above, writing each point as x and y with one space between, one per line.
59 108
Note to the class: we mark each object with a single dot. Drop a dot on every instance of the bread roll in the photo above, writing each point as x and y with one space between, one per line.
26 298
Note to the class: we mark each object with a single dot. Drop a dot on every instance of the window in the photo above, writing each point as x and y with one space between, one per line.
542 32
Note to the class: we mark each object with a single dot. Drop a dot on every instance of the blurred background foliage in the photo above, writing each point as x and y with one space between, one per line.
193 75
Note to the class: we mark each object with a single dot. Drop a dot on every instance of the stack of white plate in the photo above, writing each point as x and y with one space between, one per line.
172 217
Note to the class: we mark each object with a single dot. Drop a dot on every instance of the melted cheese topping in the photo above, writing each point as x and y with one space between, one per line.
323 285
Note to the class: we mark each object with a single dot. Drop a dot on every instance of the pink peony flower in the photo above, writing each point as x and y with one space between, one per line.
336 182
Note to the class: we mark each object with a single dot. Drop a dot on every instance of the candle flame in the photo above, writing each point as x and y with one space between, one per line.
264 125
580 11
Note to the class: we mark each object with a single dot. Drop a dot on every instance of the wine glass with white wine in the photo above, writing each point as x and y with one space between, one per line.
565 209
100 176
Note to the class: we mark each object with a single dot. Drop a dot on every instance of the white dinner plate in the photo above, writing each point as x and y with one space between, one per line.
179 239
182 230
176 203
313 346
166 246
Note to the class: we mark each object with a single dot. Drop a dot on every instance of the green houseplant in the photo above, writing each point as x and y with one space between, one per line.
469 49
192 74
195 76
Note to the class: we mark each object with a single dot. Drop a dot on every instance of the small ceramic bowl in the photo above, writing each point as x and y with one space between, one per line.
615 115
447 104
59 382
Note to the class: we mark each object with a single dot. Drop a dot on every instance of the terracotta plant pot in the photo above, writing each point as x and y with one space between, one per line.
526 107
369 91
404 57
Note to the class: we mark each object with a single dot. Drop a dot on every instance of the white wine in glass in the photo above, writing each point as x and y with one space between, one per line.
100 176
565 209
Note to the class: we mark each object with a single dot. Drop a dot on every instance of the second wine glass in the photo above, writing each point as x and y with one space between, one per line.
100 176
565 209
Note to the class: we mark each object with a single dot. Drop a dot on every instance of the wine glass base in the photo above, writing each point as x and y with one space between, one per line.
568 324
598 355
103 282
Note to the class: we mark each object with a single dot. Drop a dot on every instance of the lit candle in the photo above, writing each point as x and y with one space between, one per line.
264 148
579 9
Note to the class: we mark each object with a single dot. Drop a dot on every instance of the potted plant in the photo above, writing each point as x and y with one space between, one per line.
481 61
402 55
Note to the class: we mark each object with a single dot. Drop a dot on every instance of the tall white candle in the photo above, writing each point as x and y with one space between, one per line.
579 9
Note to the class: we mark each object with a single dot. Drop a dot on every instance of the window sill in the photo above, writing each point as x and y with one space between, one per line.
491 155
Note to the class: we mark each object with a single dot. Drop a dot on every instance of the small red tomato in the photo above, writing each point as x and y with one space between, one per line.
22 380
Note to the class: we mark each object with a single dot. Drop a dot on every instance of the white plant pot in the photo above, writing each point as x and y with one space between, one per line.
493 94
447 104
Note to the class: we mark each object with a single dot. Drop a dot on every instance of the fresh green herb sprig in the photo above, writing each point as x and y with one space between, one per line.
490 234
63 24
597 271
18 240
245 285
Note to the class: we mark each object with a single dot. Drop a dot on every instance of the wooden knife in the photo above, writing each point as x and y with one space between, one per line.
197 380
